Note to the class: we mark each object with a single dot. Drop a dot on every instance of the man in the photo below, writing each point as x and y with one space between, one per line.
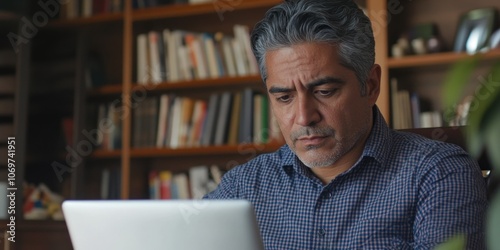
345 180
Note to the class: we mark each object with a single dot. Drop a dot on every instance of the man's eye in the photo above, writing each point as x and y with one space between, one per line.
325 92
283 98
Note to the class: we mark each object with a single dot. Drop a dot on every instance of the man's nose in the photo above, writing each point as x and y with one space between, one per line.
306 111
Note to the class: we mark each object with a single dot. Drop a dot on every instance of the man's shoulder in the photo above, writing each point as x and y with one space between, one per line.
431 153
411 142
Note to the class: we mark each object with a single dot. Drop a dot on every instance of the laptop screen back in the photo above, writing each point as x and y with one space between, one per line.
166 224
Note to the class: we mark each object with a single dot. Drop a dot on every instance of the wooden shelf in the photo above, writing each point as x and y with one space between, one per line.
205 83
111 89
188 152
437 59
184 10
116 89
82 21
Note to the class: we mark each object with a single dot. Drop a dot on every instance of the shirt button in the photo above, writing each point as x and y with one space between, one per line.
327 195
321 232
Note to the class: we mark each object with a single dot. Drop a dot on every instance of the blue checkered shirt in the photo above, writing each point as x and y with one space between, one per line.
404 192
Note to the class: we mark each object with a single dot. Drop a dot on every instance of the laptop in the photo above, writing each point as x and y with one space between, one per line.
162 224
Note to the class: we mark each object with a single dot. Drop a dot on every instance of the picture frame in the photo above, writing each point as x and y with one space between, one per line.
474 30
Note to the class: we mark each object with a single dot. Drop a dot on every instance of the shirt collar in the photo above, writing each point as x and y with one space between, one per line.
377 146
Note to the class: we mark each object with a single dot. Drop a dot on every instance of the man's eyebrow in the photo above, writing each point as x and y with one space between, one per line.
315 83
274 90
325 80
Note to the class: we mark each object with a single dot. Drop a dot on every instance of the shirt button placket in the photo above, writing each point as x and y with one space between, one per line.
321 232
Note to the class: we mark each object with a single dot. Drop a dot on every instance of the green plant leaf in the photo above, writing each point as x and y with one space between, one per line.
454 243
456 80
491 134
484 97
493 224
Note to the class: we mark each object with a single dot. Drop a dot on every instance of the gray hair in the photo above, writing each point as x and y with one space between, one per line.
337 22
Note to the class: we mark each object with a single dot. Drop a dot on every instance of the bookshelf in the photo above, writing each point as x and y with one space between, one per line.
112 37
424 75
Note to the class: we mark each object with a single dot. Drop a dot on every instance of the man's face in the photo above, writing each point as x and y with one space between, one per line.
318 103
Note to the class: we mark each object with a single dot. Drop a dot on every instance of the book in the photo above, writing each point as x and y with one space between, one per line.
163 115
142 59
415 109
209 126
185 57
165 184
196 54
181 183
222 127
154 185
246 117
198 180
235 119
105 183
155 62
199 115
257 118
185 124
239 58
171 55
176 118
210 52
229 60
243 36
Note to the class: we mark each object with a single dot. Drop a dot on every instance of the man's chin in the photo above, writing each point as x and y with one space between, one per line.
314 158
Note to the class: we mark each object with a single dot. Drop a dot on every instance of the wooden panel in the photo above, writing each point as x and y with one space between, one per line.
127 84
185 10
40 235
378 13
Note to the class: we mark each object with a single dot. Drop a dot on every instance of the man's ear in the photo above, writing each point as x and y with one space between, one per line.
373 84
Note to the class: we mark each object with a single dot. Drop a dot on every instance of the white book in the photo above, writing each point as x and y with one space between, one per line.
229 57
176 123
162 120
142 59
154 56
171 55
185 66
243 35
213 65
201 65
180 180
216 174
198 180
239 57
185 63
